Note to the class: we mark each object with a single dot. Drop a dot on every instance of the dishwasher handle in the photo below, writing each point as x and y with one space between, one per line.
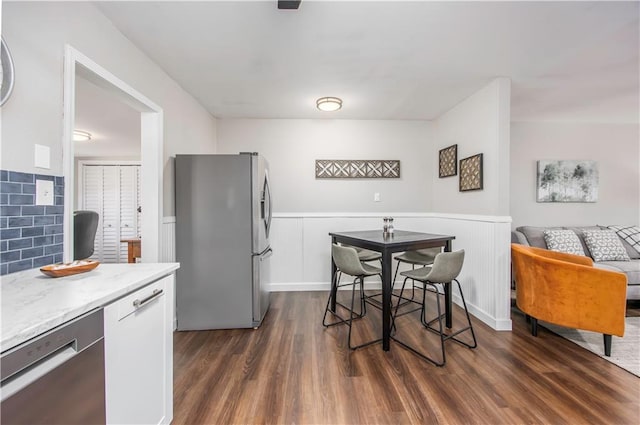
36 370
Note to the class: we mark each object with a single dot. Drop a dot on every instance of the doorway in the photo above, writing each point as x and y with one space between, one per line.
78 66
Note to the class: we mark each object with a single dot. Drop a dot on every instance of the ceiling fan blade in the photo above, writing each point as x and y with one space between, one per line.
288 4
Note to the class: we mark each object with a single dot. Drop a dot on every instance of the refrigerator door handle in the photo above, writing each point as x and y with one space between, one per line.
266 254
266 204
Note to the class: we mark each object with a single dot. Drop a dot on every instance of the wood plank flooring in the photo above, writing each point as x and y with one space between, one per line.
293 370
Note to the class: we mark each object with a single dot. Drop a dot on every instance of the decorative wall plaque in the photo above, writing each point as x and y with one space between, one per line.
471 173
357 169
448 161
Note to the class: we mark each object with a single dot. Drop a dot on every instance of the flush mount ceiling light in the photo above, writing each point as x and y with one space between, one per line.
329 104
81 136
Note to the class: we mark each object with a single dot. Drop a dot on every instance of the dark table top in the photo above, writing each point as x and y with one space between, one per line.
399 238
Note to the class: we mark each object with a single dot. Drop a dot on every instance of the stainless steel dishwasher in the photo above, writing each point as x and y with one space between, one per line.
56 378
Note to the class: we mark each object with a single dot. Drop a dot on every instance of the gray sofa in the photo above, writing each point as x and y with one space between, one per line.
534 236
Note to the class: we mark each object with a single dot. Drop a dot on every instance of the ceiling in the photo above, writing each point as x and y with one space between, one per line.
575 61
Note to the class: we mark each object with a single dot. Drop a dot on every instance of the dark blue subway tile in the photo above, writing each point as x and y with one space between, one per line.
44 219
57 258
21 199
32 231
4 246
42 240
6 187
43 261
29 188
53 230
9 234
4 176
45 177
59 219
4 269
4 199
53 249
9 211
32 252
59 200
54 210
4 222
58 238
8 256
20 243
20 221
59 181
18 266
20 177
33 210
58 190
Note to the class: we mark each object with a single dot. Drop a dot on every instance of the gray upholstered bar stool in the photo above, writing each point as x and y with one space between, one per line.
419 257
446 268
348 262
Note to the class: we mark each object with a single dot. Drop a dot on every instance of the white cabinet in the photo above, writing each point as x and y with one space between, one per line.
139 355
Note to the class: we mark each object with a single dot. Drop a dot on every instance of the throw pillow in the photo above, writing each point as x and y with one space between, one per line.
563 241
630 234
605 245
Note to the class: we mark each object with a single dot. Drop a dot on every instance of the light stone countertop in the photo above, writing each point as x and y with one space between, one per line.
33 303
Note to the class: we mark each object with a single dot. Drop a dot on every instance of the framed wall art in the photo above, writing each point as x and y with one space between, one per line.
357 169
448 161
471 173
567 181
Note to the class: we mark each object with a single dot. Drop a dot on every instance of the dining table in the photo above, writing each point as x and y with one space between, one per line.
387 244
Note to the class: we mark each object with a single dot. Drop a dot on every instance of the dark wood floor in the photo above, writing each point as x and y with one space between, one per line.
293 370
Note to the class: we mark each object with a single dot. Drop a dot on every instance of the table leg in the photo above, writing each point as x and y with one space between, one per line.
448 300
387 287
334 283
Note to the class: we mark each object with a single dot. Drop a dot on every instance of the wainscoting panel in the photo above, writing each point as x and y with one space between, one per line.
168 240
301 260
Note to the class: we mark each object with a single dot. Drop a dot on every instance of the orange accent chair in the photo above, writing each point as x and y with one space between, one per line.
566 290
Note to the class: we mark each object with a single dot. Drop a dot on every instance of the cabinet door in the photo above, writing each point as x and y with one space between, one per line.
138 356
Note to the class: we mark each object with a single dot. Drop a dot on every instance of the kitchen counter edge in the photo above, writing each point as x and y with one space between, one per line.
33 304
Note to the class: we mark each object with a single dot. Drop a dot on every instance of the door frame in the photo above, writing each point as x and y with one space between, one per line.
151 152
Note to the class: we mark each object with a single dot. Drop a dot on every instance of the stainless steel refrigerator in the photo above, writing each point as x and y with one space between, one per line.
223 219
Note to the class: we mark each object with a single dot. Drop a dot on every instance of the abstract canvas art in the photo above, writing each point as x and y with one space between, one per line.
357 169
567 181
448 161
471 173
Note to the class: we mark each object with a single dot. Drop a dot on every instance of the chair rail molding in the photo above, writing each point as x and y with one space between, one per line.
301 258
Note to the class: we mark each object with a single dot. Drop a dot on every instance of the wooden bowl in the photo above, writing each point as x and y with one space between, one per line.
68 269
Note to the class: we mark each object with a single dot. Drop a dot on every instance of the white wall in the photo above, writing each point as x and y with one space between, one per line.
616 149
479 124
36 34
292 146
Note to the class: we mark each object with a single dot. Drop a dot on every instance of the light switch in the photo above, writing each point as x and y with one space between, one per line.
42 156
44 192
376 197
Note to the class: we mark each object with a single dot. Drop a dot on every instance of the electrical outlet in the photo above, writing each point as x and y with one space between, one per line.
44 192
376 197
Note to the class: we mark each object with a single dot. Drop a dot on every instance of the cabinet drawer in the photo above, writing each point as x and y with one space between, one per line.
141 299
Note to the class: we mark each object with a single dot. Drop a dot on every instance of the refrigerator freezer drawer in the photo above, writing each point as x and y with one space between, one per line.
261 282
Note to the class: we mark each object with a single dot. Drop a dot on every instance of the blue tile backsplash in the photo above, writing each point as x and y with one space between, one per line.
30 235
